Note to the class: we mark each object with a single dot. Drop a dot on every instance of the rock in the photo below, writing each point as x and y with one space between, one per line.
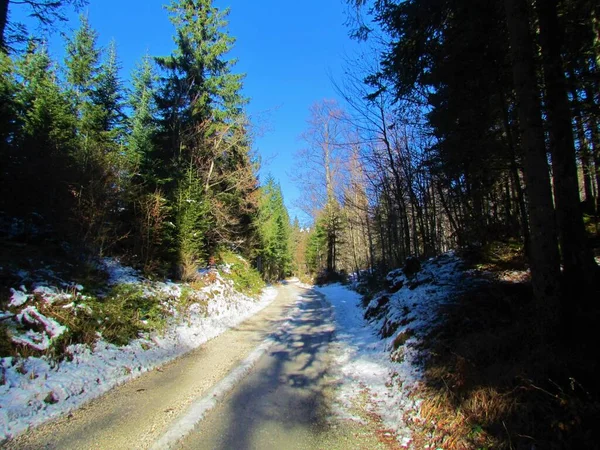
411 266
377 307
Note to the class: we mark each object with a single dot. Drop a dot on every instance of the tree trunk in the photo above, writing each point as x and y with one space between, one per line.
369 234
592 126
584 156
449 214
514 172
3 21
577 258
543 254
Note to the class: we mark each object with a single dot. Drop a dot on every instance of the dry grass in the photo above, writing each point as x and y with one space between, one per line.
188 268
490 384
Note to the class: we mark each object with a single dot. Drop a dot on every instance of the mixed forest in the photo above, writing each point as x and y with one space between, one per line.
464 124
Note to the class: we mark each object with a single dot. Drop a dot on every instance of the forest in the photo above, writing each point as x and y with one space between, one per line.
471 125
464 124
162 173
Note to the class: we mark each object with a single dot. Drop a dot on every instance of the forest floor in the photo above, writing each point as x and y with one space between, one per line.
489 381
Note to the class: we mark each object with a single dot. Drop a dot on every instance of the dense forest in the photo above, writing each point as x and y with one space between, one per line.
463 123
161 173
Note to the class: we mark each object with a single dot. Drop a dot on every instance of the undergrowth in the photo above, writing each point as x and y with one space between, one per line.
120 316
490 382
128 311
246 278
495 256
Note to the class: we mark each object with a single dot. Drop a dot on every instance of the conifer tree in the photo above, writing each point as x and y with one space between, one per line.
8 88
97 181
143 126
108 97
275 253
316 248
46 137
203 127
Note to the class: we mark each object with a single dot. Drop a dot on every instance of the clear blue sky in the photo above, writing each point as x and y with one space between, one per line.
288 51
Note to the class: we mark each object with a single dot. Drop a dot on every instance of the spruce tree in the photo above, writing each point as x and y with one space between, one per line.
97 181
107 96
46 137
275 254
203 138
143 126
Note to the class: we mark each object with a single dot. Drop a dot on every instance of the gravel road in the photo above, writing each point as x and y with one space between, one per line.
262 385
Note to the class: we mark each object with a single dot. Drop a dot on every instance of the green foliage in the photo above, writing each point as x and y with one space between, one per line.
316 249
246 278
164 187
41 140
200 76
202 126
275 251
325 239
108 96
119 317
142 123
128 311
82 58
192 222
8 88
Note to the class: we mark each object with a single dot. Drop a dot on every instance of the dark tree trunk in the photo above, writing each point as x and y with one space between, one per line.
3 21
577 258
585 157
592 126
450 215
514 172
543 251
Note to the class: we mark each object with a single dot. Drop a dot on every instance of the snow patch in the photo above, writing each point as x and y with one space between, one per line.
366 361
36 389
19 297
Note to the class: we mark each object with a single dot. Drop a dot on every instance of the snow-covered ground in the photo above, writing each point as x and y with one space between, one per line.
390 368
378 354
35 389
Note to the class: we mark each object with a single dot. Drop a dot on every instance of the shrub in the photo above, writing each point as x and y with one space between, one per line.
330 276
6 348
127 311
246 278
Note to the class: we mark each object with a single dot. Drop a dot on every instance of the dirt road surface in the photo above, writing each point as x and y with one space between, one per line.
263 385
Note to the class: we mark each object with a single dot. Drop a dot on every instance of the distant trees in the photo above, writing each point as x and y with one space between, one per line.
470 127
162 174
274 254
320 175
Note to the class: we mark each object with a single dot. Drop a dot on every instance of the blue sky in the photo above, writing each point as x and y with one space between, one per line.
288 51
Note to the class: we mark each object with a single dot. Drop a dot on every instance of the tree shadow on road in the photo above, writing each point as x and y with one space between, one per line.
283 402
